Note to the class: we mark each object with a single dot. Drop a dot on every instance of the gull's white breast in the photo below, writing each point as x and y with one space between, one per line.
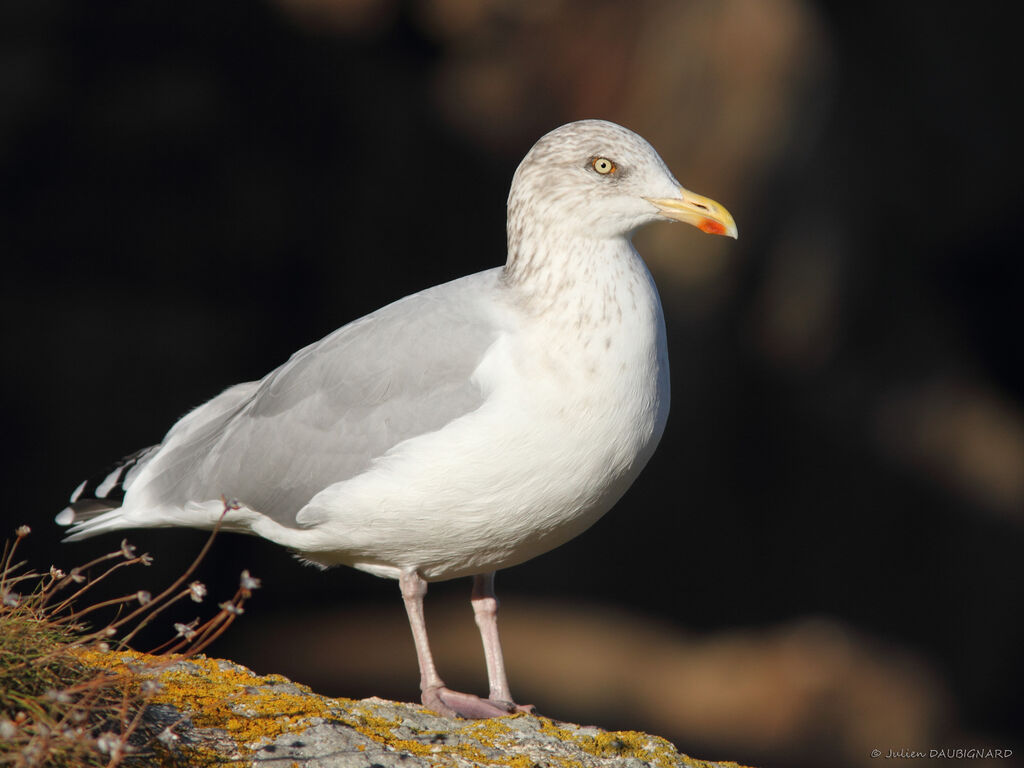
577 397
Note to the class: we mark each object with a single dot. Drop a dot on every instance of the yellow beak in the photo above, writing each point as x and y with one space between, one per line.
702 212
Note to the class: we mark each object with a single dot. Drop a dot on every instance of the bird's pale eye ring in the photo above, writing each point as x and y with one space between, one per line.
603 165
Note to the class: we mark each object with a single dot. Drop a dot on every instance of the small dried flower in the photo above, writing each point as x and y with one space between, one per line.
143 596
22 531
56 573
109 743
61 697
231 608
78 716
10 599
76 576
151 687
109 631
231 504
167 737
186 630
128 550
33 753
248 582
197 590
8 730
146 559
102 647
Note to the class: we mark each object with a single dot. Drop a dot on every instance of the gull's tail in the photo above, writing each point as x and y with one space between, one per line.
96 507
96 502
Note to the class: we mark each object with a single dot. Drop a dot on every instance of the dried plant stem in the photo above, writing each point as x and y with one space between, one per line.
63 605
184 576
156 611
55 707
5 562
105 604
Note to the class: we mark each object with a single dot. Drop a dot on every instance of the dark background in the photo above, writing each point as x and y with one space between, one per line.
824 555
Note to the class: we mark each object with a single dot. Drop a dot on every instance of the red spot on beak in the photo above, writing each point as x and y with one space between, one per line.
711 227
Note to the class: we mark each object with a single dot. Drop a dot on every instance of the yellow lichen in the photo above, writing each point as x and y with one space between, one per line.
244 706
231 700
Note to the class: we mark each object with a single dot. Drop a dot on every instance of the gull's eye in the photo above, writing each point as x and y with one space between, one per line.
603 165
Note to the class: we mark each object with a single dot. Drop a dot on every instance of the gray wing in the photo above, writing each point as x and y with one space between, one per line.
335 406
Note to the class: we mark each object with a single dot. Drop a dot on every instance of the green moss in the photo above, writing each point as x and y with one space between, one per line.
31 662
35 666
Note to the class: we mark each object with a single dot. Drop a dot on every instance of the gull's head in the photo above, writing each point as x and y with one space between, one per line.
597 179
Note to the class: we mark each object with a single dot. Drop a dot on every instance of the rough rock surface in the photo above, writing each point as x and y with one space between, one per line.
212 711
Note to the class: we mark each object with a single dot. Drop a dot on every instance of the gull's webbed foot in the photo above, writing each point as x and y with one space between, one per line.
451 703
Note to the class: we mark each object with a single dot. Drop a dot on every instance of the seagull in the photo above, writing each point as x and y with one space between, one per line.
457 431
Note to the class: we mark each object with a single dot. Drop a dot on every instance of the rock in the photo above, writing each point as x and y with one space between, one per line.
210 711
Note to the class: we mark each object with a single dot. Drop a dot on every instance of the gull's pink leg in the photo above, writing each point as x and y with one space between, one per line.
435 695
485 606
